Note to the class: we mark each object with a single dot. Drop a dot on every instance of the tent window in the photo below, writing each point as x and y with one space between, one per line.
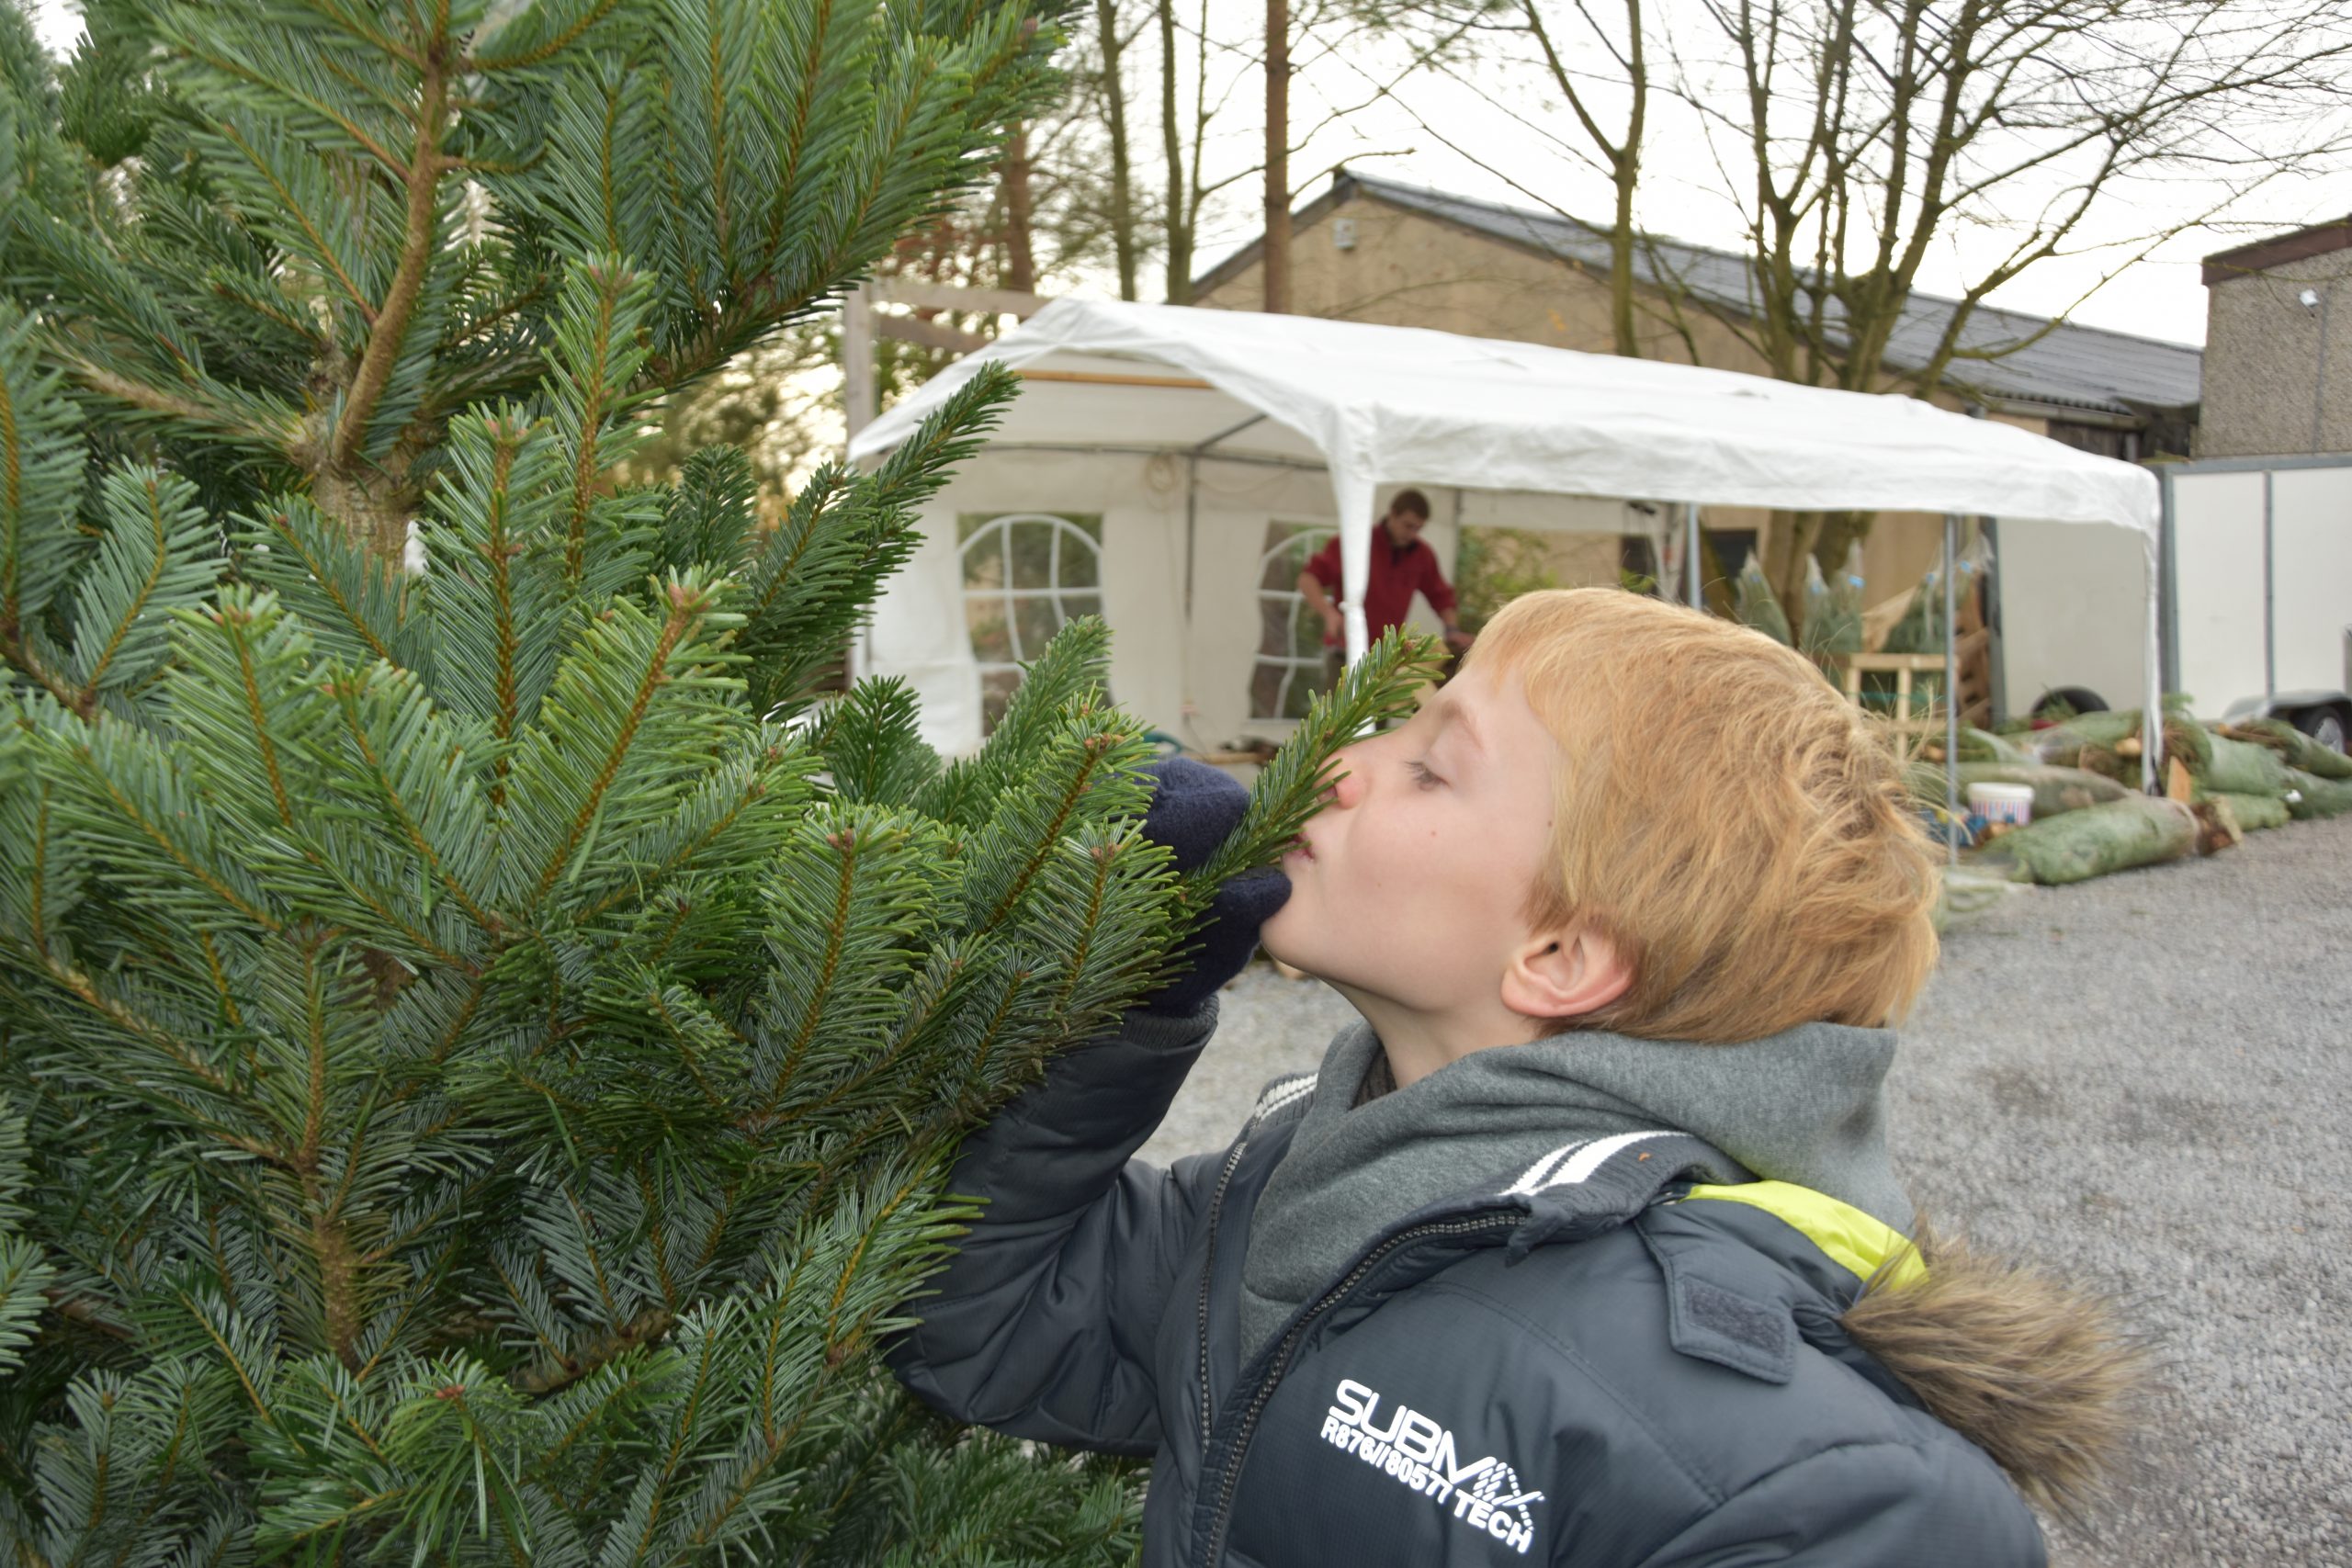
1025 574
1290 639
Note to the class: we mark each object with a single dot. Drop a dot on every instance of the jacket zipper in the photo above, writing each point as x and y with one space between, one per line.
1208 1273
1240 1446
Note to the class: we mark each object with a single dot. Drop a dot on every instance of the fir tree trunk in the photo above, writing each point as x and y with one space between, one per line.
374 510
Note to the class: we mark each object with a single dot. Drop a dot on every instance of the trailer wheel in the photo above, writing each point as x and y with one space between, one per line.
2063 700
2324 725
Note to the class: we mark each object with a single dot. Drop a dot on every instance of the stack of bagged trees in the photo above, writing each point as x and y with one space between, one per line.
479 1049
2225 781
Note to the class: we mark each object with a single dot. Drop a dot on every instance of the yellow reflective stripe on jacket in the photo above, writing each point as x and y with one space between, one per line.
1854 1241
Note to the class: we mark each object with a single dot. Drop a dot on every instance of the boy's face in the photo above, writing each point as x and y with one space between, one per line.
1410 888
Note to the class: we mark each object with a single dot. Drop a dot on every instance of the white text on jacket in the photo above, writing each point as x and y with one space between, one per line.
1416 1451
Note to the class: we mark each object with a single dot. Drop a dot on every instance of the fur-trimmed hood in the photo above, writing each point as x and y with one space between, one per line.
2039 1374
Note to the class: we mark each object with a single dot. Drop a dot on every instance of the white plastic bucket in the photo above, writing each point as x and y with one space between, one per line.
2001 803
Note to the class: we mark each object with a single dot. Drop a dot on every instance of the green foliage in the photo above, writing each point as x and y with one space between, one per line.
1494 565
539 1079
23 1273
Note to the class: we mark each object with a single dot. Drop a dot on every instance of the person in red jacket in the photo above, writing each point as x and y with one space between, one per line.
1401 567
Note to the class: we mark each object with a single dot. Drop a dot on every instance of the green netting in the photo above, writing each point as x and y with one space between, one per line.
2240 767
2300 750
2313 797
2254 813
2096 841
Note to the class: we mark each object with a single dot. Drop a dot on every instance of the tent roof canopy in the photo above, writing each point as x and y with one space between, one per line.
1402 405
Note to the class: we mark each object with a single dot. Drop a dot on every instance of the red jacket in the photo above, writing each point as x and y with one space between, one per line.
1396 575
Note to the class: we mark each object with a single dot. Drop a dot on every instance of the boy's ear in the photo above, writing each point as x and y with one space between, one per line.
1565 974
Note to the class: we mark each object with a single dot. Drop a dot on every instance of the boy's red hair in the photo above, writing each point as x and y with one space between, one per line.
1723 816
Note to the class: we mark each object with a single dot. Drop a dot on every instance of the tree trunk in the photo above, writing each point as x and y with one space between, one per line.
1277 264
1786 545
1179 219
1019 252
1621 265
1626 170
375 508
1115 114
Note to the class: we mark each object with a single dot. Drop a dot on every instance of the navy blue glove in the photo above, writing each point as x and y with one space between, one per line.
1193 807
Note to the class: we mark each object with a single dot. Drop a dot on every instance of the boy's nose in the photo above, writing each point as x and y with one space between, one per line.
1348 788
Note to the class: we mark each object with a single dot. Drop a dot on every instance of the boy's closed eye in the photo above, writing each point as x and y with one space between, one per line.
1422 777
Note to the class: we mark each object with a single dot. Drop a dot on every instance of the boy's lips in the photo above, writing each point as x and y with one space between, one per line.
1299 847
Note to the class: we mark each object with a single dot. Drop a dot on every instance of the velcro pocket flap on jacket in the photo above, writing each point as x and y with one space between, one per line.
1718 1323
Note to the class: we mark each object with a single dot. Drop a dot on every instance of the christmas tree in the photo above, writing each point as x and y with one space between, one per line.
481 1044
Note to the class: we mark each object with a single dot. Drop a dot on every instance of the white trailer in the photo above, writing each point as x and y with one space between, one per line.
2255 589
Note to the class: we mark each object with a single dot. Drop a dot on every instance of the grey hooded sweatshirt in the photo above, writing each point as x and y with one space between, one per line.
1806 1106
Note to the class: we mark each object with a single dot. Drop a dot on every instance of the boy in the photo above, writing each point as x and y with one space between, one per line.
1584 1247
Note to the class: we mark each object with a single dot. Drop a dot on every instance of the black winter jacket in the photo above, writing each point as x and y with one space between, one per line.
1618 1359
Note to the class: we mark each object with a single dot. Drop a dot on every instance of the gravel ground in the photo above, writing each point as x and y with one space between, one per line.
2139 1083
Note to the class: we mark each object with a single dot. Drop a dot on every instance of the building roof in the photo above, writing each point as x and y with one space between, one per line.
2336 234
2070 366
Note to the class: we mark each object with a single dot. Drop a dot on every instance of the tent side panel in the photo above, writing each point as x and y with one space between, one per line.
919 635
1143 600
1226 625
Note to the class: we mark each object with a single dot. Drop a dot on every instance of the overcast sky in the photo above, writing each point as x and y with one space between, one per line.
2160 297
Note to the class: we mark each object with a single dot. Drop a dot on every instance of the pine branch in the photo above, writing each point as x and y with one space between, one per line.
708 516
813 578
594 355
873 746
1071 671
1099 755
851 900
597 730
534 36
1377 690
157 559
356 602
161 840
387 339
497 586
420 782
40 468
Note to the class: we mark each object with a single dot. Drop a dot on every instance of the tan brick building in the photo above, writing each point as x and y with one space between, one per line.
1375 250
2279 346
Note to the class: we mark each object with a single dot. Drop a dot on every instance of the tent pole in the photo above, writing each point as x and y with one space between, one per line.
1698 599
2164 647
1952 692
857 359
1192 521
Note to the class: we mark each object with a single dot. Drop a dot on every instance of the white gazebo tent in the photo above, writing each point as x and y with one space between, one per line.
1161 414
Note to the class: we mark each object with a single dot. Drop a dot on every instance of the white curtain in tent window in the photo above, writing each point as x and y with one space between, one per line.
1290 640
1026 575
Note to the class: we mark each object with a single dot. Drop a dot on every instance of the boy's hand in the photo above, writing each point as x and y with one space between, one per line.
1194 806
